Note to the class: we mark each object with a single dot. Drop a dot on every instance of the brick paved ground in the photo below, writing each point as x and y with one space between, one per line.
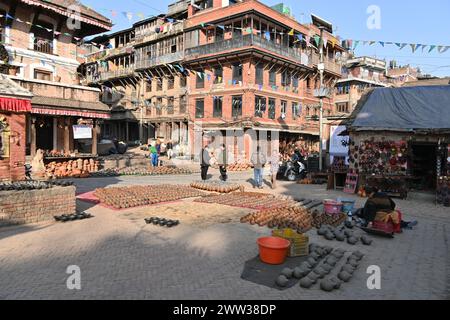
123 258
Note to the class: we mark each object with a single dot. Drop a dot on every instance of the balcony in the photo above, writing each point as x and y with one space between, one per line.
151 35
43 45
42 88
177 7
249 41
108 75
330 65
161 60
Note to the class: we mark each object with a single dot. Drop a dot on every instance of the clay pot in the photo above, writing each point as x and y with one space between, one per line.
306 283
282 281
327 285
344 276
287 272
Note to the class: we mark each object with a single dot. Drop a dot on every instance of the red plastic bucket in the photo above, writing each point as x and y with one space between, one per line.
332 207
273 250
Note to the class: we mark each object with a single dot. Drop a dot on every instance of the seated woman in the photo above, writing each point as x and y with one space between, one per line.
380 207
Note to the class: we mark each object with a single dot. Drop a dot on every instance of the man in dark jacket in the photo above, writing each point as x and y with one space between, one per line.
205 160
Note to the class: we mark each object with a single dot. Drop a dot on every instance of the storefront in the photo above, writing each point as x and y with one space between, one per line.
14 105
61 131
396 149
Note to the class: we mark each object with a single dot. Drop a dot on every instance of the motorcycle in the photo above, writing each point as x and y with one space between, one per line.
293 170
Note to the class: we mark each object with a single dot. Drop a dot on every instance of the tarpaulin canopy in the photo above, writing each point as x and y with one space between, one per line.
422 108
15 105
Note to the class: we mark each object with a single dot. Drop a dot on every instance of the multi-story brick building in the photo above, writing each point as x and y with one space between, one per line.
216 65
41 39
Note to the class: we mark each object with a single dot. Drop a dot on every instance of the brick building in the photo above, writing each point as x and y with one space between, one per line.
41 38
15 103
216 65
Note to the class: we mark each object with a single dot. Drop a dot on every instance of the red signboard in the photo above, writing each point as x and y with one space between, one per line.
72 113
15 105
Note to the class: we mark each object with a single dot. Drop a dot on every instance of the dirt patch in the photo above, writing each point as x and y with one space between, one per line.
189 212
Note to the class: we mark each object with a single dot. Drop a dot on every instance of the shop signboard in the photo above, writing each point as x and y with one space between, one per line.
82 132
338 144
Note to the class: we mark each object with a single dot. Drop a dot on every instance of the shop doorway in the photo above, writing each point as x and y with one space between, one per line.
423 166
44 133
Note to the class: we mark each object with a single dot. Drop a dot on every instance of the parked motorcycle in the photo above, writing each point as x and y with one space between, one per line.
293 170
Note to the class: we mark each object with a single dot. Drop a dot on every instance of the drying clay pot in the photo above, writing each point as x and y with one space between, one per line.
338 254
299 273
282 281
355 257
320 272
322 231
340 237
353 263
313 247
313 276
327 285
306 265
348 224
344 276
366 241
315 255
352 240
327 267
329 236
331 260
328 249
336 282
287 272
348 233
358 254
312 261
306 283
348 268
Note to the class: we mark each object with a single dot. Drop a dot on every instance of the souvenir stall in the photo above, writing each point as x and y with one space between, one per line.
339 166
395 149
443 183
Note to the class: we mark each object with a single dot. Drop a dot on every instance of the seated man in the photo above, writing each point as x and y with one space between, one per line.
378 207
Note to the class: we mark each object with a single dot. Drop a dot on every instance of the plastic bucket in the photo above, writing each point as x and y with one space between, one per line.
347 205
332 206
273 250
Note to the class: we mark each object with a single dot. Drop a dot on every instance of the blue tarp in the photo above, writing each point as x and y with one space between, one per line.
409 108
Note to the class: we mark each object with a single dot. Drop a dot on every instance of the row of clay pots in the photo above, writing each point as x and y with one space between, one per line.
134 196
214 187
242 199
296 218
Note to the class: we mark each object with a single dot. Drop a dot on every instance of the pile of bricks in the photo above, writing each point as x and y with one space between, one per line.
32 206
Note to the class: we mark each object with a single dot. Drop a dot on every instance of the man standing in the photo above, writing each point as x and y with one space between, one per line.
169 149
154 155
258 161
205 160
222 160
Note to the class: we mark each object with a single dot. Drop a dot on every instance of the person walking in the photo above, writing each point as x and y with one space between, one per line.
222 160
258 161
275 167
205 160
154 155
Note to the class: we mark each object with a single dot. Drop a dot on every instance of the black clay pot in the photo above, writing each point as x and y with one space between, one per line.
348 268
336 282
340 237
298 273
327 285
352 240
287 272
344 276
282 281
306 283
313 276
366 241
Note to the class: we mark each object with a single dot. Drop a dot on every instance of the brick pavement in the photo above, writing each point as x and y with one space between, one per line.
125 259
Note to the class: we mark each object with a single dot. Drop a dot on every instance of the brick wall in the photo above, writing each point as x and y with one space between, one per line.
12 167
32 206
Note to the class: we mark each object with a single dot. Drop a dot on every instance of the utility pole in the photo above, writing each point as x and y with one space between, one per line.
321 68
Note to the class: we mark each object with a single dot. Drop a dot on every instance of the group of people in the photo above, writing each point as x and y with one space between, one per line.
155 149
258 161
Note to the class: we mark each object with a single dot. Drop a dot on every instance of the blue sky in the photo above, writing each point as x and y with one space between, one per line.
422 22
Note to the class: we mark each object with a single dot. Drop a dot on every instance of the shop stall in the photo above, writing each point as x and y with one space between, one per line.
397 137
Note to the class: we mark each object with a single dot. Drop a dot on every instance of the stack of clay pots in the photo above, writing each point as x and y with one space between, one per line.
334 220
217 187
72 169
237 167
296 218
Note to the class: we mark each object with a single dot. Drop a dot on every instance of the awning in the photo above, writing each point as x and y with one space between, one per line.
15 105
72 113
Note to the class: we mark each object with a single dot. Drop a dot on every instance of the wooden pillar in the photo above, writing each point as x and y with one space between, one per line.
95 138
67 123
127 132
33 137
55 134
